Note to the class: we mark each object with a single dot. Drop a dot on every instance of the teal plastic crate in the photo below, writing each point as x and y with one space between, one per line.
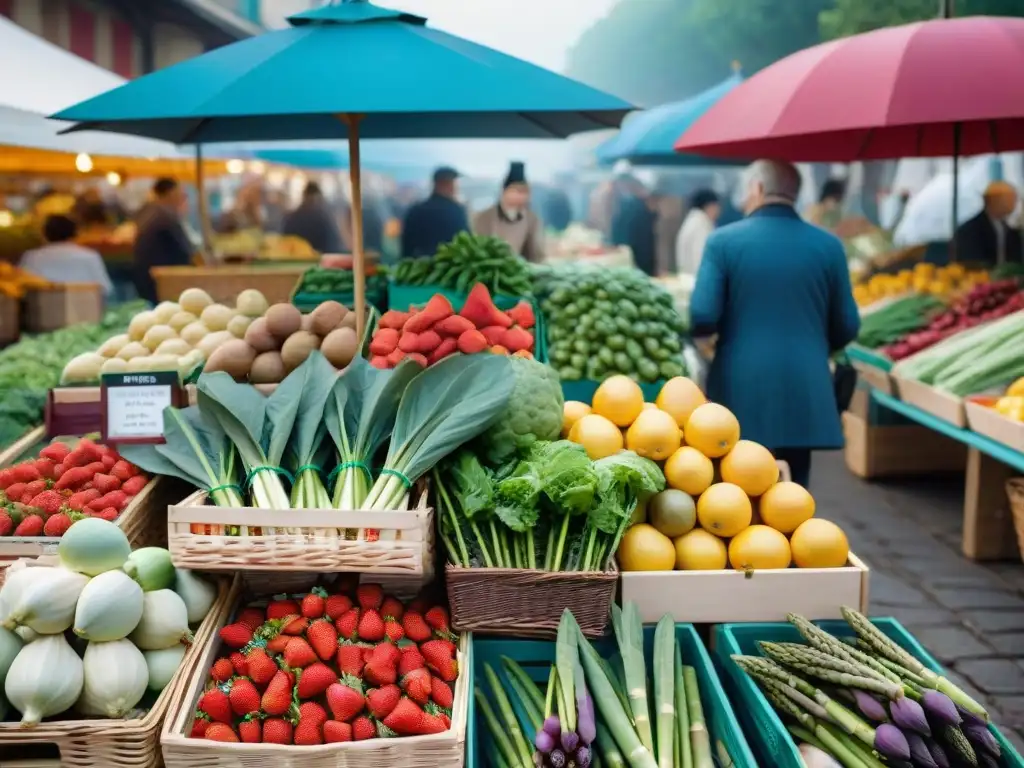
584 389
768 736
869 357
536 657
307 302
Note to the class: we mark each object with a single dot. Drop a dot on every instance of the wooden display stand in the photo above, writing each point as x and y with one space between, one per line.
988 521
874 451
225 282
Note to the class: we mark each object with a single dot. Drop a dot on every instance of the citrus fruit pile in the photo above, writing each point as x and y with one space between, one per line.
724 506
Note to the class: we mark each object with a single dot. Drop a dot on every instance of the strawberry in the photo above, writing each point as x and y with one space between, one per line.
380 701
337 605
277 731
434 720
239 663
48 502
6 478
369 596
57 525
122 470
416 627
278 644
345 699
371 626
260 666
324 638
15 491
46 468
25 473
363 729
251 618
134 485
296 626
416 685
220 732
441 693
105 483
79 501
278 697
307 733
200 723
222 670
31 525
298 654
244 697
348 624
393 630
214 703
251 731
350 659
440 659
437 618
392 608
411 659
406 719
381 668
336 732
310 710
446 720
314 603
110 514
32 490
108 462
6 522
236 636
282 607
315 679
55 452
386 652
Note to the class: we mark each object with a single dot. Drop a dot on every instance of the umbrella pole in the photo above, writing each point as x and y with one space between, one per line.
956 191
358 264
204 209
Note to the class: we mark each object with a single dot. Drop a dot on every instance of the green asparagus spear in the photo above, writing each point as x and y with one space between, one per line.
831 669
867 756
784 704
607 747
523 747
497 731
803 735
823 641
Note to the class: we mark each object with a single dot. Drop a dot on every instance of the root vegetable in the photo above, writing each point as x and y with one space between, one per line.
251 303
340 347
239 325
234 357
113 345
326 317
157 335
216 317
297 348
194 332
259 337
181 319
283 320
194 300
267 368
140 324
133 349
210 343
165 310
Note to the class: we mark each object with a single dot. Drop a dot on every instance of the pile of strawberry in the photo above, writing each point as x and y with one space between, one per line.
328 668
65 483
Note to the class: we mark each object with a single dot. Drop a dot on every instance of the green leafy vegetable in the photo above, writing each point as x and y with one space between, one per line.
315 379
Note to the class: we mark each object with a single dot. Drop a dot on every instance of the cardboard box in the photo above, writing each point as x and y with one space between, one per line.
985 420
886 451
930 400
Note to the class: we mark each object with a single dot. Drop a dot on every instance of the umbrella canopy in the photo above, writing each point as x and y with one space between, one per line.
404 80
930 89
648 138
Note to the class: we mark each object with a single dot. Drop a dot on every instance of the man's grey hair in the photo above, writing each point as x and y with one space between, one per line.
778 179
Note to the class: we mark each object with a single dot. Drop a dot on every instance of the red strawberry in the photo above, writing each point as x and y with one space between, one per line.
55 452
49 502
298 654
222 670
393 630
236 636
46 467
32 490
312 711
345 699
278 698
307 733
336 606
445 720
109 514
296 627
79 501
350 659
6 478
277 731
437 618
335 732
411 659
214 703
251 731
406 719
260 666
416 685
251 617
369 596
314 603
200 723
134 485
220 732
380 701
105 483
363 729
392 608
347 624
6 523
108 462
122 470
244 697
387 652
15 491
434 720
315 679
31 525
440 659
57 525
441 693
381 668
278 609
324 638
25 473
416 627
239 663
278 644
371 626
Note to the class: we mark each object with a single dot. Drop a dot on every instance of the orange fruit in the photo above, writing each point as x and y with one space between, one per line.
758 548
598 436
573 411
819 543
712 429
619 399
644 548
679 397
751 466
724 509
785 506
699 550
654 435
689 470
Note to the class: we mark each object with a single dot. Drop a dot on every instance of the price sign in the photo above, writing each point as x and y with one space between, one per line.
133 405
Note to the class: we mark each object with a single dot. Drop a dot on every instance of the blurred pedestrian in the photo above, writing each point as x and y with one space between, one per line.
987 238
436 220
668 208
633 222
557 209
511 219
776 290
698 225
161 240
828 211
315 222
62 260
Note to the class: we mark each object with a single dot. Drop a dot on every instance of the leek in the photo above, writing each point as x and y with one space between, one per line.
664 689
311 384
700 742
682 713
520 746
630 636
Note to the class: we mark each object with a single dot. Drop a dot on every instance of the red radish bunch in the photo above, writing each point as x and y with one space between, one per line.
437 331
44 496
322 667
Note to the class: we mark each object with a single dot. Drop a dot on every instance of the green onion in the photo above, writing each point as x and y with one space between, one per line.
682 713
700 742
664 689
630 637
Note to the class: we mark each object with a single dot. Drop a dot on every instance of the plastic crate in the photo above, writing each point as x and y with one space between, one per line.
584 389
307 302
537 656
768 736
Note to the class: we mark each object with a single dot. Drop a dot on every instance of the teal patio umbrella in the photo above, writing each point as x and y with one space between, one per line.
347 70
647 138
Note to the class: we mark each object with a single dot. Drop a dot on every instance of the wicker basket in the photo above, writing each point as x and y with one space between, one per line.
441 750
314 546
528 603
133 743
1015 492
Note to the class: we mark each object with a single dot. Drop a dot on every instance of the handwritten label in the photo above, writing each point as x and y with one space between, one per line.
134 405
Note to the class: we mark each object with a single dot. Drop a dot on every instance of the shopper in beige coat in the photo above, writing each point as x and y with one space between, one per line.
511 219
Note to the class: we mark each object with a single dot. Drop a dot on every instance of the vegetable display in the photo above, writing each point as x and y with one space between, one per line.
66 482
466 260
334 666
436 331
15 282
926 278
870 703
335 282
607 321
85 639
892 322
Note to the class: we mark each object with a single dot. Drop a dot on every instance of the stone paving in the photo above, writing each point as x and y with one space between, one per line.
970 616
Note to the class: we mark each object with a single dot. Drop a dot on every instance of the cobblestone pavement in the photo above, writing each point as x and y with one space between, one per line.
970 616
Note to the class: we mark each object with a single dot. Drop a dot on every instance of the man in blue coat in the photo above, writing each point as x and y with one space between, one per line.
435 220
777 292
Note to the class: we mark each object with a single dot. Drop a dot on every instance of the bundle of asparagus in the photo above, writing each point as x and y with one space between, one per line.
868 703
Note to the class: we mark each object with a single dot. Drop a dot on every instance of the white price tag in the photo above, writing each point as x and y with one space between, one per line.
134 405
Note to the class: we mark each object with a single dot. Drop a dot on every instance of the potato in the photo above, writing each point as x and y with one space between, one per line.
165 310
307 323
137 364
297 347
83 369
349 321
251 303
258 337
211 342
181 319
188 361
140 324
113 345
340 346
283 320
176 347
194 300
158 363
133 350
238 326
267 368
234 357
114 365
194 333
326 317
216 317
157 335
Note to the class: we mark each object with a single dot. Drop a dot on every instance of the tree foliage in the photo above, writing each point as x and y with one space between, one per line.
851 17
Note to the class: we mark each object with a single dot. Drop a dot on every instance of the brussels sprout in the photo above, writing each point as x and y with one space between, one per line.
634 350
616 343
648 370
623 362
671 368
606 355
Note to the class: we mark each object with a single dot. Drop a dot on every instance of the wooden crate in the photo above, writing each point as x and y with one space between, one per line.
225 282
887 451
50 309
985 420
930 400
876 377
10 320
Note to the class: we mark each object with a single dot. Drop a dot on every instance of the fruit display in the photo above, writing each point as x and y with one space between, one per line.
268 246
704 519
467 260
1011 403
331 666
871 701
66 482
341 282
436 331
98 635
941 282
15 282
902 316
603 322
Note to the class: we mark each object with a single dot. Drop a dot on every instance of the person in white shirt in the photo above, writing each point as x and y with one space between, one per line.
62 260
698 225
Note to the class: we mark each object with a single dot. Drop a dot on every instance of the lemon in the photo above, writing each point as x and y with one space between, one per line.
819 543
785 506
573 411
643 548
689 470
680 397
759 548
619 399
598 436
654 435
724 509
699 550
712 429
